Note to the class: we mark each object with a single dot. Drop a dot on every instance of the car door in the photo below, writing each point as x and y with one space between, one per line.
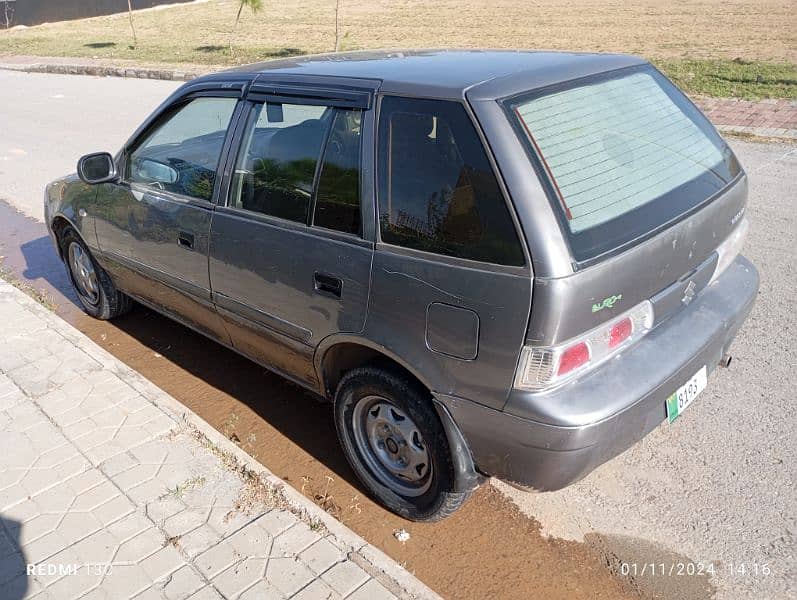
155 223
290 254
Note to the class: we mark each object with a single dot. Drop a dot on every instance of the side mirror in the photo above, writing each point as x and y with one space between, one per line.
147 169
98 167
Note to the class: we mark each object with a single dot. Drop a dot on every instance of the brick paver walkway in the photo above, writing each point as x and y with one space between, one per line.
768 118
106 492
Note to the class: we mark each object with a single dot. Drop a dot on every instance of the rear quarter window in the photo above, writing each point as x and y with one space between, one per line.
623 155
437 189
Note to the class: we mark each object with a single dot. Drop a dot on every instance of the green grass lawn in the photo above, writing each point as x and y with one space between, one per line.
733 78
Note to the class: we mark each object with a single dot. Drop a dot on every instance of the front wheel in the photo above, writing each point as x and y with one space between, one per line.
394 441
93 286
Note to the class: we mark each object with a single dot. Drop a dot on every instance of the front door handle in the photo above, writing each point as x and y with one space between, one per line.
330 285
186 240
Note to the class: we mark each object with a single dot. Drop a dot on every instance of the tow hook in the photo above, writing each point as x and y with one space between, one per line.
725 361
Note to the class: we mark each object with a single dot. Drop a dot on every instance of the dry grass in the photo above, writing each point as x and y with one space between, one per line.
765 30
761 30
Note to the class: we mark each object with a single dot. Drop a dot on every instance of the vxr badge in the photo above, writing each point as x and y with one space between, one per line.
689 292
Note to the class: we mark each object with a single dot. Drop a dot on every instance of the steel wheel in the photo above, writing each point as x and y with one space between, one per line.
392 446
83 273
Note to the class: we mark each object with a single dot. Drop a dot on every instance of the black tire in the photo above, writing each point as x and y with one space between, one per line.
108 302
435 498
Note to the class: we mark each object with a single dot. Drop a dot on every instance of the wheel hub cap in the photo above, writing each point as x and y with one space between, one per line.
392 446
83 273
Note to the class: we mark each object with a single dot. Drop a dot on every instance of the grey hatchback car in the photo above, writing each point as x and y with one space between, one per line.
512 264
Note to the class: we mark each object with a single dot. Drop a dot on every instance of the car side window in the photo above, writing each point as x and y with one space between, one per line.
181 155
337 204
275 172
437 190
276 164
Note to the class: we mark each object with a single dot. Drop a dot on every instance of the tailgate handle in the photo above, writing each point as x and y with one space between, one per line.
327 284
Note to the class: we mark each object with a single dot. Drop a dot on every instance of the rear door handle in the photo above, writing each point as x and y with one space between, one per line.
186 240
327 284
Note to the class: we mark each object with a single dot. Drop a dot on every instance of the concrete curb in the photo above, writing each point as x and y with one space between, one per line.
104 71
381 567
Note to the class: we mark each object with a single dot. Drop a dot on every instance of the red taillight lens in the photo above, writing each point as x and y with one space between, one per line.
573 357
620 332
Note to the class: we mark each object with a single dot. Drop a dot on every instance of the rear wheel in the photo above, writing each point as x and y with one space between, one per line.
93 286
394 441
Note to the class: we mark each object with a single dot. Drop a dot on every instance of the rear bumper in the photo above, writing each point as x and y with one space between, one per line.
549 456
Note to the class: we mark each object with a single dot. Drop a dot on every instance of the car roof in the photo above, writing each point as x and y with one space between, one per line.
444 73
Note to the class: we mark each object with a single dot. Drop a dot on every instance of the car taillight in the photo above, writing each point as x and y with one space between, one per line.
620 332
543 367
573 358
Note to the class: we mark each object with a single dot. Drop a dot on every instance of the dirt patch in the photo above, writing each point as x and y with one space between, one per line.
489 549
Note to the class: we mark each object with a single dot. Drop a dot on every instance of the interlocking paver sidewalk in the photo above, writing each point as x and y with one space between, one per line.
766 118
111 489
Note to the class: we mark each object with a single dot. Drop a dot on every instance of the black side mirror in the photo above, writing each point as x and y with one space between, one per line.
98 167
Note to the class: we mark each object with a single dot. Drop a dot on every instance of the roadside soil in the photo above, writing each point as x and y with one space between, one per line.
489 549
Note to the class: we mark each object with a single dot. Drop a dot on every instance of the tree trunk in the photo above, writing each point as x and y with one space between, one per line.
337 37
235 26
132 28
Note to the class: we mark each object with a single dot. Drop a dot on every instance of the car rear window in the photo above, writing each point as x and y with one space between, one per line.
623 154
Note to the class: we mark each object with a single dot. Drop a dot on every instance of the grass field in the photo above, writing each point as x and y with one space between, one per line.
697 42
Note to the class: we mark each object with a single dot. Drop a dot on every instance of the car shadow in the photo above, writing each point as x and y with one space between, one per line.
13 565
298 414
42 263
229 377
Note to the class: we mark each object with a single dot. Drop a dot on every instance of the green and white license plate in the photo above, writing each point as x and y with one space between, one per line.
684 395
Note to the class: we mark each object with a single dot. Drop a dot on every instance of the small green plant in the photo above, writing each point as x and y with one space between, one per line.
181 488
254 5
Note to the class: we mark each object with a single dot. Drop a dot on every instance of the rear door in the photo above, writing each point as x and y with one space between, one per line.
290 254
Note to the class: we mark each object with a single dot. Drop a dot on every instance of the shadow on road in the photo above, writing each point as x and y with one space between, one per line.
13 577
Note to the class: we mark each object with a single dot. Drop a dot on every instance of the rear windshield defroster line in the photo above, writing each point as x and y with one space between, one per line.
623 153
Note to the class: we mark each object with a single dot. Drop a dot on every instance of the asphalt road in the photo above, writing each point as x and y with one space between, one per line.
717 486
47 122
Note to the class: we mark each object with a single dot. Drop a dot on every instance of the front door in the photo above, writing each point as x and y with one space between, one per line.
289 264
155 224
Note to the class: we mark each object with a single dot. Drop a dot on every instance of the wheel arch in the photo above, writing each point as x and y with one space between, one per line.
57 225
338 354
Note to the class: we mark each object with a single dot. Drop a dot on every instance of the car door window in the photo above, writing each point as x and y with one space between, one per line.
276 165
337 204
437 190
277 170
181 154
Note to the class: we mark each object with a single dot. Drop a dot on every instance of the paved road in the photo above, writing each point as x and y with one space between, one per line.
47 122
717 486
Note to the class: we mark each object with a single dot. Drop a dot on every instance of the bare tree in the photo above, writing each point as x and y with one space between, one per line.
130 16
337 35
255 5
9 13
